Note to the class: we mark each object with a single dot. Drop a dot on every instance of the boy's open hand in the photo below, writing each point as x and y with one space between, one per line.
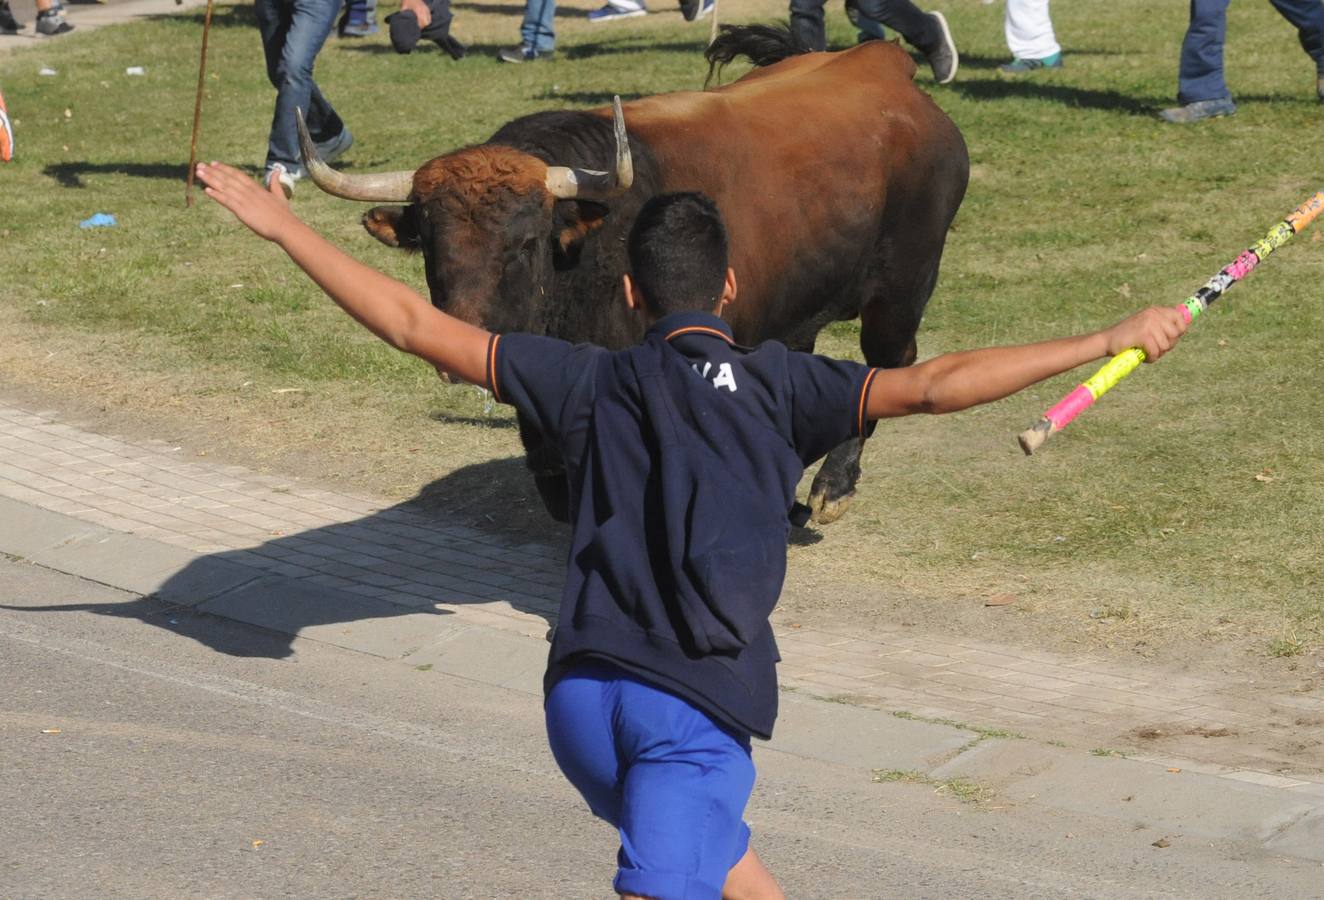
263 209
1154 330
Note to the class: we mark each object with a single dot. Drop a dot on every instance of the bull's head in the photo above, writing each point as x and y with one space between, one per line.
494 223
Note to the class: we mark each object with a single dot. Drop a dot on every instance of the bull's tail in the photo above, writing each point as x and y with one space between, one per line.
763 45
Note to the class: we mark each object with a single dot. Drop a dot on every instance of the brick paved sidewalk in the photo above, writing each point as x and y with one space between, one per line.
404 556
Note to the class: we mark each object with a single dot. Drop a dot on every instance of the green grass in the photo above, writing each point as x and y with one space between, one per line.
962 789
1082 207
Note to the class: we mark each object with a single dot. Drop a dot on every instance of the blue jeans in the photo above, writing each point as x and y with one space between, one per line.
293 31
916 26
1201 74
536 31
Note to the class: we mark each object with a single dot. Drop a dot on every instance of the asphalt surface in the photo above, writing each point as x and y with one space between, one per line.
144 762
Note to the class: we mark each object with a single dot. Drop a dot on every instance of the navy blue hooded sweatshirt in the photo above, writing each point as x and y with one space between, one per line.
683 455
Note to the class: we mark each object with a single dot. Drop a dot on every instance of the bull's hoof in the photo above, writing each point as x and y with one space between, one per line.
826 511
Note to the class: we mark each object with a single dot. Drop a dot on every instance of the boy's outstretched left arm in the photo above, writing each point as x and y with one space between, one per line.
956 381
388 308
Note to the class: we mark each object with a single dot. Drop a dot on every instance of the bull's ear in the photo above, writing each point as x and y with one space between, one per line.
394 226
575 220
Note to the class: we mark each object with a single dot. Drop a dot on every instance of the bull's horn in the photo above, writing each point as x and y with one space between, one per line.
381 186
568 183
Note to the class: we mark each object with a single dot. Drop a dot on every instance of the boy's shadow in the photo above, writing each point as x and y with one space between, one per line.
476 536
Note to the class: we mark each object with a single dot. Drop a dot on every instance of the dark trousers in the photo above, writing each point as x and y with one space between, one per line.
293 31
916 26
1201 74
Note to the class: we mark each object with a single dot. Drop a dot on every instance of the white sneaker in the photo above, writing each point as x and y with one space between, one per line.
284 176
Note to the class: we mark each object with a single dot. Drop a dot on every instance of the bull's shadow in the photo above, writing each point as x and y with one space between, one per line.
476 536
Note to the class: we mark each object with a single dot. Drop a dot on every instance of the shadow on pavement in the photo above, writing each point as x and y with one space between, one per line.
395 564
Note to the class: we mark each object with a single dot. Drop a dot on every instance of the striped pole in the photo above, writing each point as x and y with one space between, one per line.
1124 363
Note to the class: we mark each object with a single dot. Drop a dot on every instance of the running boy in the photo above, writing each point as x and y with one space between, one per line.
683 455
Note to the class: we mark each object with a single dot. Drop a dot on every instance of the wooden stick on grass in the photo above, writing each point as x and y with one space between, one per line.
197 109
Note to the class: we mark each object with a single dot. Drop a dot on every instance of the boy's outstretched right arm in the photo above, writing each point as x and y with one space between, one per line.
388 308
956 381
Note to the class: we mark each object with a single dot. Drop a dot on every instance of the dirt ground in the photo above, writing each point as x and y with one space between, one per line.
471 471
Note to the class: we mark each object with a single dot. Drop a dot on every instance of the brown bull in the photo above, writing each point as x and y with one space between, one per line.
837 177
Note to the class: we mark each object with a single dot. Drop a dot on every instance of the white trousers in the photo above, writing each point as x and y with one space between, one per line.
1029 30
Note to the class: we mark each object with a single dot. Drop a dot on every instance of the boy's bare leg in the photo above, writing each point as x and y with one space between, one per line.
749 879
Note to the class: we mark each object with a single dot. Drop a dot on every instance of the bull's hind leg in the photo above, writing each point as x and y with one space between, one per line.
888 323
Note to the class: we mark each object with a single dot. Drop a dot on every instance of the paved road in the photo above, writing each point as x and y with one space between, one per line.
191 762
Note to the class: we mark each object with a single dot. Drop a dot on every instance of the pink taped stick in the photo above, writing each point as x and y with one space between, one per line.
1124 363
1243 265
1072 405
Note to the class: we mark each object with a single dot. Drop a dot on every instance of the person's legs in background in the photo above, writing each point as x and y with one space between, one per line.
537 34
807 24
926 32
1200 76
1030 37
359 19
8 24
293 31
1201 90
1308 17
869 29
50 19
614 10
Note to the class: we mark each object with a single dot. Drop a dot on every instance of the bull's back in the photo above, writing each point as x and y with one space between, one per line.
810 160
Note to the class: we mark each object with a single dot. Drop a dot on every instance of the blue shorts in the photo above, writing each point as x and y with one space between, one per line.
673 783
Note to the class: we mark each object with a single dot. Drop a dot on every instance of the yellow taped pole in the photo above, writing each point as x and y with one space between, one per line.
197 109
1126 362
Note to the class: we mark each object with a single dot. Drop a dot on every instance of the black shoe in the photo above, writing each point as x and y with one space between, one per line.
8 24
452 46
943 59
523 53
51 22
1319 87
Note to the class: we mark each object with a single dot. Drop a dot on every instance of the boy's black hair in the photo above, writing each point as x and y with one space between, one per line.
678 253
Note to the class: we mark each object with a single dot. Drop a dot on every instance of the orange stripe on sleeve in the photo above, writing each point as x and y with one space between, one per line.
491 367
864 401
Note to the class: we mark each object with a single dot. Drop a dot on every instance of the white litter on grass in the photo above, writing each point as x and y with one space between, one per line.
135 70
47 70
489 402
